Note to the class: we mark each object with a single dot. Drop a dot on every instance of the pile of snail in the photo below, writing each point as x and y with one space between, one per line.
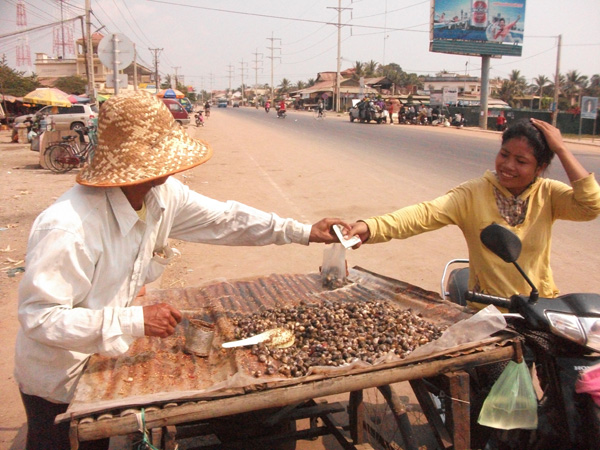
334 334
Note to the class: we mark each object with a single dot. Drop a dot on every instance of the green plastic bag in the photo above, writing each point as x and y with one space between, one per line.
512 402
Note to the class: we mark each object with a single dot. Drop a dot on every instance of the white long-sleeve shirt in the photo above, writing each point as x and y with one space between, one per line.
88 256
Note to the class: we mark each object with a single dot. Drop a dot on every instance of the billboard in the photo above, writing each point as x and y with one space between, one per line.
477 27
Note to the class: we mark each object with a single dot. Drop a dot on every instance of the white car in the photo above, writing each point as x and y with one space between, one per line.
74 118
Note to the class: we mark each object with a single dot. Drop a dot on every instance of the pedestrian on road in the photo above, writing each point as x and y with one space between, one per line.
515 196
92 251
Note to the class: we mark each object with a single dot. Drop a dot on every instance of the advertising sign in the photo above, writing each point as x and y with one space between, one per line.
589 107
477 27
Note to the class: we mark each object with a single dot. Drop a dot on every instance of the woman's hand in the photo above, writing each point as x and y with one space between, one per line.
552 135
322 232
160 320
361 230
575 171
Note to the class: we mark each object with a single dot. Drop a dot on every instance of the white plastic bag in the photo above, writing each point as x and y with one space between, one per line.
512 402
333 270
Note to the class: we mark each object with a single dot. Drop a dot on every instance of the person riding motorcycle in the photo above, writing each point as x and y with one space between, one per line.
267 106
207 108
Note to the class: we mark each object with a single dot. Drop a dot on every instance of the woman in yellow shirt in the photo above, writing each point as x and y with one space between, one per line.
515 196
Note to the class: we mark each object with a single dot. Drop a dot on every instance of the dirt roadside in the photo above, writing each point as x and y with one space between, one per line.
243 168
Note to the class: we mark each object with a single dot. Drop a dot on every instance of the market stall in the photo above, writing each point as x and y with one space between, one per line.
173 393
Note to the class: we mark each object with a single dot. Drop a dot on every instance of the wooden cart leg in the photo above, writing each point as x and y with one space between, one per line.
430 411
399 412
73 435
458 411
170 435
156 435
356 417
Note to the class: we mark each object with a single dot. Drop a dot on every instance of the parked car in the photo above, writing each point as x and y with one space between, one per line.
181 115
75 117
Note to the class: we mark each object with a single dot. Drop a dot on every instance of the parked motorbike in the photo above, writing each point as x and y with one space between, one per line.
199 119
459 121
561 339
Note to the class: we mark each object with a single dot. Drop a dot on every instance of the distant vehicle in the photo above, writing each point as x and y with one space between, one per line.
222 103
76 117
236 104
180 115
187 105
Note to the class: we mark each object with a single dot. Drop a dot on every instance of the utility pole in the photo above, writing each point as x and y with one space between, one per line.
556 82
175 86
338 76
272 39
242 71
230 75
89 53
135 81
156 78
256 69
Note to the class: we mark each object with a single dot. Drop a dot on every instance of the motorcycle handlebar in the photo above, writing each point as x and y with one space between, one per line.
488 299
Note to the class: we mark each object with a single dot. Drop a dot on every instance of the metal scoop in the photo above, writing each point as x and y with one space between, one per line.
277 337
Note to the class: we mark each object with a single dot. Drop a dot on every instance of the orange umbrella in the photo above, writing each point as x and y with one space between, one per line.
170 93
48 96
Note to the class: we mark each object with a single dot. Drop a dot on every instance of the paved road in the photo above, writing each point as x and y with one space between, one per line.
353 170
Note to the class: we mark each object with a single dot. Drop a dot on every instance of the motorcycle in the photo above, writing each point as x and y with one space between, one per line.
199 119
267 107
281 113
561 339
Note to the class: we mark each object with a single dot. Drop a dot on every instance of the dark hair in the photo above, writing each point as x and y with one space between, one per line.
523 128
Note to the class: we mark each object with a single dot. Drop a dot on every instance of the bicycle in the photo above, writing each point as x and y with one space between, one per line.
67 155
319 114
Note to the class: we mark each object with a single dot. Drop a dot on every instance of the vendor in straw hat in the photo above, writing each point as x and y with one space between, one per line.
91 252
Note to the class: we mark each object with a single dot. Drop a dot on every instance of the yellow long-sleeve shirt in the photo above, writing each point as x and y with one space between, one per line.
472 206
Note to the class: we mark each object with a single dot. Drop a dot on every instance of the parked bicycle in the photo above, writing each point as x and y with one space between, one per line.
69 154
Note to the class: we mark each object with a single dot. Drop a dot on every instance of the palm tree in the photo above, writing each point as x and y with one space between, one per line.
539 83
285 86
371 69
300 85
358 70
519 82
574 84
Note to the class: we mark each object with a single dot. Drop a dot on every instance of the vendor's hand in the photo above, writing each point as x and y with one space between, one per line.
160 320
361 230
551 133
323 233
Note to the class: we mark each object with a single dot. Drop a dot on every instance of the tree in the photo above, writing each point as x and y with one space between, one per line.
358 71
285 86
71 85
574 85
16 83
300 85
371 69
539 83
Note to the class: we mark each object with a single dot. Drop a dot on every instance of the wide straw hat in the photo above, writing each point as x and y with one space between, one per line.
138 141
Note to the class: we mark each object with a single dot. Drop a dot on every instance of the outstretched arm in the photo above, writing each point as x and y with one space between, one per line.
575 171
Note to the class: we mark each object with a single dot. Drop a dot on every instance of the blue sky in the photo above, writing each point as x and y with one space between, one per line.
215 44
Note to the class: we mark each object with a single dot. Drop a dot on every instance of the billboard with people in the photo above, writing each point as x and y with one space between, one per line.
477 27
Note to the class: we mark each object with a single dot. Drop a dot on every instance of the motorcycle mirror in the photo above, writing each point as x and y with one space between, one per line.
502 242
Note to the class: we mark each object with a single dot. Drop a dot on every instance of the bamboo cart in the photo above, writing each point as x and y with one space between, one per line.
173 395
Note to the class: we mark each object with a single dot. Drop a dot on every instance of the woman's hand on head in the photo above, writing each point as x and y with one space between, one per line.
552 135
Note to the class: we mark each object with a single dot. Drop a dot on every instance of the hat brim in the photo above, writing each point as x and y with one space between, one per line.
172 153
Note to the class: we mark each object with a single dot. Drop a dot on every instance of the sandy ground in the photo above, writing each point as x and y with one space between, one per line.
243 168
